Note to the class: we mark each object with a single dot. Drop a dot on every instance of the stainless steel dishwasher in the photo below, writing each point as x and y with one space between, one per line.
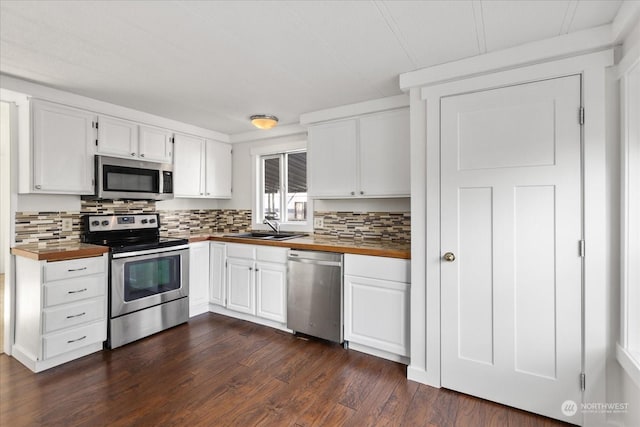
314 299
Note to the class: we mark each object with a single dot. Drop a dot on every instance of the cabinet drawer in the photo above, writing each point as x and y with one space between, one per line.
382 268
277 255
62 342
241 251
73 314
71 290
73 268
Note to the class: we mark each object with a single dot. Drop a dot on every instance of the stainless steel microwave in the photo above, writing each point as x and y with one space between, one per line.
132 179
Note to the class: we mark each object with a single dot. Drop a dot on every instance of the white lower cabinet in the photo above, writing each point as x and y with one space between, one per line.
198 278
61 310
376 305
249 279
271 290
217 257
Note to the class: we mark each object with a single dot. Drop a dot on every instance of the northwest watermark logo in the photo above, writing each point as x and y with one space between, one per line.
569 408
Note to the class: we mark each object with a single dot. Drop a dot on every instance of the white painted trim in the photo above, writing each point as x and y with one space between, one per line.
215 308
425 200
523 55
72 100
351 110
277 132
629 363
279 148
377 352
627 16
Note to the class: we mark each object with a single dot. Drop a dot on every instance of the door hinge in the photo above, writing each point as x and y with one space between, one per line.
581 115
226 263
96 142
583 381
97 124
581 248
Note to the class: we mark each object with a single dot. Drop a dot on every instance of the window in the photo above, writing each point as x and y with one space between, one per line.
283 187
629 349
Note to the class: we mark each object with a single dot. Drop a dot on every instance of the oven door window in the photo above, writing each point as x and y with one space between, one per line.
137 180
151 277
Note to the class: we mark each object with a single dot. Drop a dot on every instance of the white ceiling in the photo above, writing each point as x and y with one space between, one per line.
214 63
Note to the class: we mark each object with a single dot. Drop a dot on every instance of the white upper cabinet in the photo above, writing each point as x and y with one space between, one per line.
122 138
117 137
366 156
331 157
156 144
63 149
187 167
384 154
217 178
202 168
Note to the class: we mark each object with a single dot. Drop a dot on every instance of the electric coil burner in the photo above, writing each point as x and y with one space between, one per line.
148 275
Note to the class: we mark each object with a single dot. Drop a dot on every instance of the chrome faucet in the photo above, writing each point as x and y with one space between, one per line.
273 224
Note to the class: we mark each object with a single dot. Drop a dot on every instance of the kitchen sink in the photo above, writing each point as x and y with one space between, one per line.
267 235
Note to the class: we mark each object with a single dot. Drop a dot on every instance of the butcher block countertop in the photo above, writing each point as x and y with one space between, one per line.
323 243
58 251
61 251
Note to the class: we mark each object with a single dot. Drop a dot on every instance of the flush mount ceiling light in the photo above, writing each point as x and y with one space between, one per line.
262 121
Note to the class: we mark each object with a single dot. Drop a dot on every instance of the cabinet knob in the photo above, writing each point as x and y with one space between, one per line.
142 155
208 194
361 192
257 269
133 154
38 187
353 193
449 256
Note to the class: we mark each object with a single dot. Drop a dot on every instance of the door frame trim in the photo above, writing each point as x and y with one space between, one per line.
425 209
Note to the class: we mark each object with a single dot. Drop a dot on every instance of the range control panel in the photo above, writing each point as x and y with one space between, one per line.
122 222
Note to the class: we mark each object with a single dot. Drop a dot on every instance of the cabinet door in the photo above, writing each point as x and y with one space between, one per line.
63 149
271 288
377 314
332 159
188 166
217 255
384 154
240 285
155 144
117 137
198 278
217 181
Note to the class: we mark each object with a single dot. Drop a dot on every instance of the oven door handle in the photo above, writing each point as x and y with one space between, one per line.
149 251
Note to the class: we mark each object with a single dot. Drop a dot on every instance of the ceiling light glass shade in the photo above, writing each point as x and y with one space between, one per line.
262 121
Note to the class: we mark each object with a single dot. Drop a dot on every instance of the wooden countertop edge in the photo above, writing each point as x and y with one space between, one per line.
62 255
300 244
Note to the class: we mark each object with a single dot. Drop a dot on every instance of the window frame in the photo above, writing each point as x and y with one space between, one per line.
258 153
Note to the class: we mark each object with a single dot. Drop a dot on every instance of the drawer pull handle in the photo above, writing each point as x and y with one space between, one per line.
78 291
76 340
77 269
76 315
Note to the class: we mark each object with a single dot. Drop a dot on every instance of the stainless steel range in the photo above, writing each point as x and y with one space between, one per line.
148 275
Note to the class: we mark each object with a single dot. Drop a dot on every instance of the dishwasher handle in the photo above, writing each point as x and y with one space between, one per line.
316 262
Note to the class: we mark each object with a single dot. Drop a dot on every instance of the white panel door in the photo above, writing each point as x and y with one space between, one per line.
511 215
217 178
332 150
188 167
241 294
155 144
271 287
384 154
117 137
63 149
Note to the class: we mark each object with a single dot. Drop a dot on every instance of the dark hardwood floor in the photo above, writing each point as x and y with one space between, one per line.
217 371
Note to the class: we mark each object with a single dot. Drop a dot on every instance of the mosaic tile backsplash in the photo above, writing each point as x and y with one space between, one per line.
366 225
32 227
